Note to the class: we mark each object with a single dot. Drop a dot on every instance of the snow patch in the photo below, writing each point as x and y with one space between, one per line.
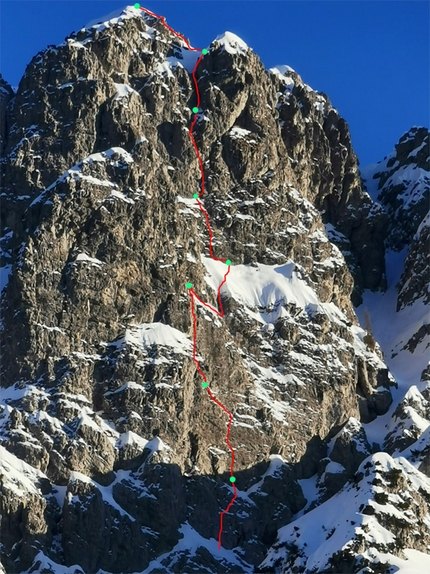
419 148
130 438
92 260
189 543
266 289
333 525
123 91
238 133
230 43
282 73
119 195
116 17
145 335
17 475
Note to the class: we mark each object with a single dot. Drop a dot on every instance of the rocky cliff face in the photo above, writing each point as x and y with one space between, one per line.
113 458
400 184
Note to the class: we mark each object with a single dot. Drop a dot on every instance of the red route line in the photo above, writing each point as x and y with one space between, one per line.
193 294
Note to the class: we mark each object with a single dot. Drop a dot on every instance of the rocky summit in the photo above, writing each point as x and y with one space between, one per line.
113 458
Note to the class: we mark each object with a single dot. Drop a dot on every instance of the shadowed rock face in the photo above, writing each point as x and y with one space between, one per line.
403 186
103 408
413 283
6 94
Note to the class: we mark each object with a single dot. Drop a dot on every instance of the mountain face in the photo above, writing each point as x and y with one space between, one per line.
113 458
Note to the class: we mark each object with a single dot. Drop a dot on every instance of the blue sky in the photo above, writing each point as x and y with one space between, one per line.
370 57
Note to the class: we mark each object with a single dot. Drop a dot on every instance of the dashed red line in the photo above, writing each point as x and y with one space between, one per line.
193 294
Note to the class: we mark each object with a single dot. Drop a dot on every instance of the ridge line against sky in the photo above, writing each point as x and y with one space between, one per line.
371 57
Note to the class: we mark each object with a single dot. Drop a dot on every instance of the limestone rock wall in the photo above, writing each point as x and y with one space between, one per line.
101 233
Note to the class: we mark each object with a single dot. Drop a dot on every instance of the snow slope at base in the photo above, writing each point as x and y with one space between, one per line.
416 563
392 330
45 564
390 327
333 525
190 543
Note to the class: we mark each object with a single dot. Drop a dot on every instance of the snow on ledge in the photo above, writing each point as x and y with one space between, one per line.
119 151
123 91
132 439
75 172
264 290
237 132
157 445
282 74
92 260
144 335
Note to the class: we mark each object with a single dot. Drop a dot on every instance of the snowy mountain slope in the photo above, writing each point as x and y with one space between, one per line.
362 526
400 184
400 316
377 537
114 459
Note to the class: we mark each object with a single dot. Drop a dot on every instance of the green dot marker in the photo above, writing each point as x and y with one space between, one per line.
228 262
196 110
196 196
232 479
204 385
137 6
204 51
188 285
